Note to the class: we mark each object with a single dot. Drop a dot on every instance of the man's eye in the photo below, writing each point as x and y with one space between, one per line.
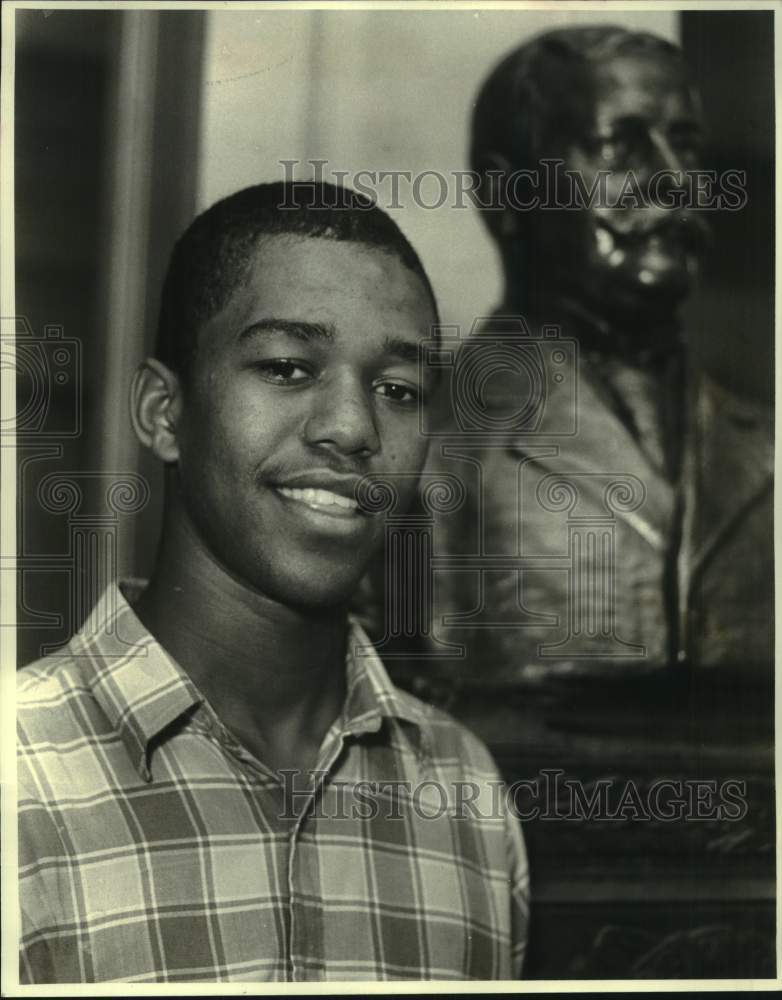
398 392
282 371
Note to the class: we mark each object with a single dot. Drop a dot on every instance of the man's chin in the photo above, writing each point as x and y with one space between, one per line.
315 591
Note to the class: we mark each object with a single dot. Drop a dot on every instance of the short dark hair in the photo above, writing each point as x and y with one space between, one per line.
543 89
212 257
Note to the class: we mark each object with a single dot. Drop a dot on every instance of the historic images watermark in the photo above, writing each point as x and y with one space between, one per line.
548 796
89 504
550 186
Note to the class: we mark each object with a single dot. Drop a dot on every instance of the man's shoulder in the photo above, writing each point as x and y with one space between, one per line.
57 671
46 691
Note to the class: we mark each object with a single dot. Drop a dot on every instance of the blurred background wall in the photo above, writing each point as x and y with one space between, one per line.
106 143
128 122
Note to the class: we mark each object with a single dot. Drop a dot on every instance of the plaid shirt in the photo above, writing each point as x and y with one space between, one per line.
154 848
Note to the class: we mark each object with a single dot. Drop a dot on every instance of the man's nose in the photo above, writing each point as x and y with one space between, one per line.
343 418
665 157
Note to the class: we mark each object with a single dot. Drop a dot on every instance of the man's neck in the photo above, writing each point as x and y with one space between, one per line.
274 674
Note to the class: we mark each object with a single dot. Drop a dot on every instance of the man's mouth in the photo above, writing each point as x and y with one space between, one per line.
324 501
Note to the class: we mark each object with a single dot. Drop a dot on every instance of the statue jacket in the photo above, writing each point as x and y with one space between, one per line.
569 551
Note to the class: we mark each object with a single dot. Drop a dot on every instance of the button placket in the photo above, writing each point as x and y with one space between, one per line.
306 958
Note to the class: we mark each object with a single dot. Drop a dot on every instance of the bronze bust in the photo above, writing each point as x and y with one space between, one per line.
628 526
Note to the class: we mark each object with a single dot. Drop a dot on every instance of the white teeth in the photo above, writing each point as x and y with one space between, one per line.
318 498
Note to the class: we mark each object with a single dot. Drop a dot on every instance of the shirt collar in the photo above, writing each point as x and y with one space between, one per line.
142 689
372 696
138 685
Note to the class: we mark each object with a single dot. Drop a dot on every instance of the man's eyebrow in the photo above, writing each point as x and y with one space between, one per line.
404 350
297 328
396 347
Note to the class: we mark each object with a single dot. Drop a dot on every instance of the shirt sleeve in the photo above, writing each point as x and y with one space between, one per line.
35 960
519 891
41 873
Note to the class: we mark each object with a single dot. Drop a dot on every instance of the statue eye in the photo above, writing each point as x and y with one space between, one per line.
686 142
625 144
613 152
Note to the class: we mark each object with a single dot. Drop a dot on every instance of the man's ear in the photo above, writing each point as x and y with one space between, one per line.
495 170
155 407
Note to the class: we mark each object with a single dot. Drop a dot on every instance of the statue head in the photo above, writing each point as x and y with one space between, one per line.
607 229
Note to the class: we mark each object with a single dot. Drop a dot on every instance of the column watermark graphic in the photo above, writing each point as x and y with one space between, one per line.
49 373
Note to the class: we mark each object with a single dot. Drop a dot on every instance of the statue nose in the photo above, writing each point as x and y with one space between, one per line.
666 157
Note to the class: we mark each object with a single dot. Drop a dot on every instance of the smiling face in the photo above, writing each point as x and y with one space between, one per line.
306 381
643 133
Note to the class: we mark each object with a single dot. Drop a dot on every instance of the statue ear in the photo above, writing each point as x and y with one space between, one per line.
155 408
495 170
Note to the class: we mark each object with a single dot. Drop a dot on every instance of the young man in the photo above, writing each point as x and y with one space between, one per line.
216 782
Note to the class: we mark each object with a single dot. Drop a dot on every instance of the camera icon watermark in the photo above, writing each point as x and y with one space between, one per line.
48 371
502 379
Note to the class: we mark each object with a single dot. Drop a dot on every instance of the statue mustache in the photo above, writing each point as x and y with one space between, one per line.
686 227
